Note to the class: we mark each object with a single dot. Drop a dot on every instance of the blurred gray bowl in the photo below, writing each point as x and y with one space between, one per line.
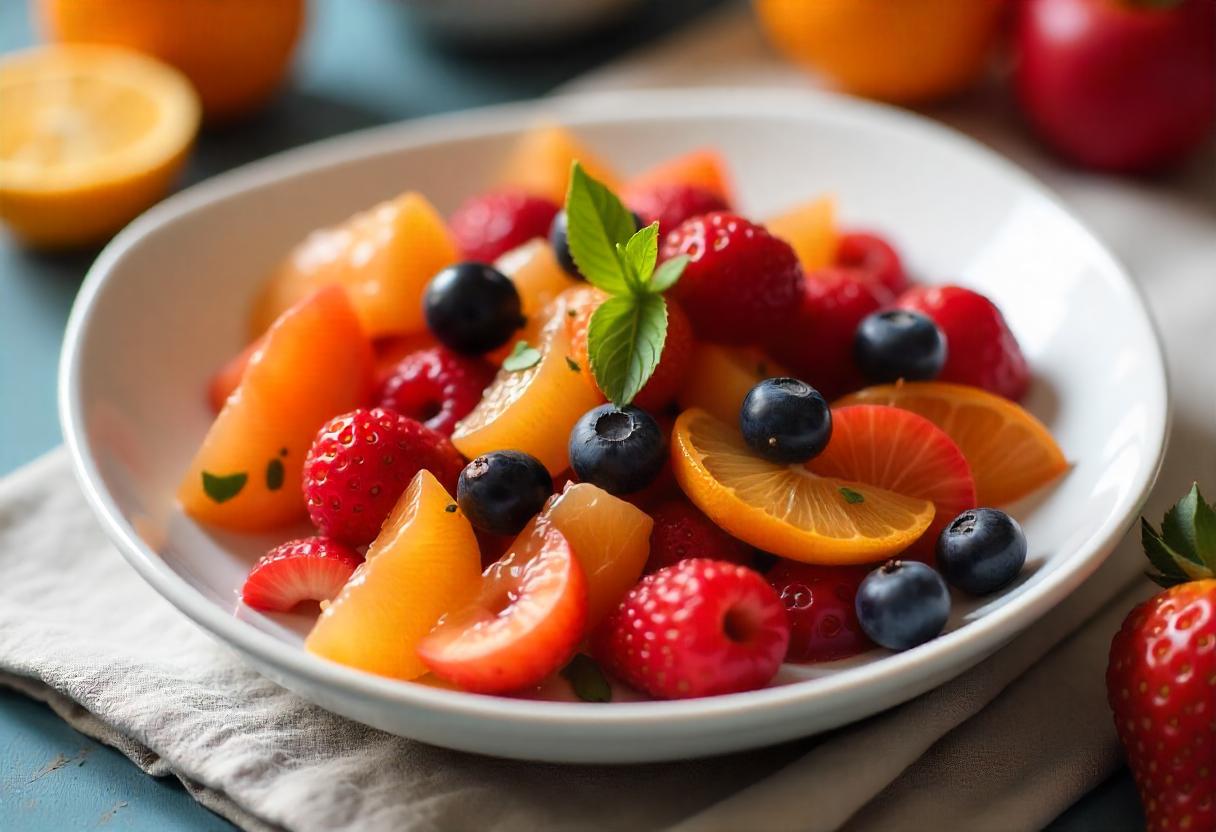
507 22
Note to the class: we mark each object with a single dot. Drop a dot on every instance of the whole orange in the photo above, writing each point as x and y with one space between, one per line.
896 50
235 52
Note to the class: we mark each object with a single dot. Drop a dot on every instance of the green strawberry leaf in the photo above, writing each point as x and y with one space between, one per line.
587 680
596 223
668 273
223 487
521 358
1189 531
1161 556
625 340
1205 530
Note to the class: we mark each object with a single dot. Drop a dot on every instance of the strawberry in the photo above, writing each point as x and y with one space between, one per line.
1161 680
981 351
311 569
873 255
698 628
681 531
489 225
670 204
740 282
436 386
817 345
362 461
819 602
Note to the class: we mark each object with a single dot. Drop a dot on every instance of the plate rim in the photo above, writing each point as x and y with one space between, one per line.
976 639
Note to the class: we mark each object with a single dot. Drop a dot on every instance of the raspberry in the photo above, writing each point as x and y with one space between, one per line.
489 225
436 386
741 281
874 256
980 349
699 628
681 531
362 461
819 604
671 204
818 344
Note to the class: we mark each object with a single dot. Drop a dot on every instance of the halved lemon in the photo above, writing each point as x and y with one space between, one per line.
1011 453
90 136
786 509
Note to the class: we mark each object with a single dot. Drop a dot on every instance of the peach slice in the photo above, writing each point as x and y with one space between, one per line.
541 159
704 168
719 378
811 231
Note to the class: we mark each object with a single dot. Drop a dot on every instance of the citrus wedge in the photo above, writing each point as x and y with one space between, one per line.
1010 452
719 378
786 509
810 229
90 136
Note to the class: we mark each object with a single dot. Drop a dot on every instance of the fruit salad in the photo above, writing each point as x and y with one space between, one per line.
604 435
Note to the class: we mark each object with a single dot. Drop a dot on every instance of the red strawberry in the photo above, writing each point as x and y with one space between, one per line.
489 225
1161 680
875 257
670 204
819 602
436 386
681 531
698 628
312 569
980 349
741 281
817 345
362 461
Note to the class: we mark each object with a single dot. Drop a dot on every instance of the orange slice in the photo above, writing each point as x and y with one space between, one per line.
1011 453
719 378
786 509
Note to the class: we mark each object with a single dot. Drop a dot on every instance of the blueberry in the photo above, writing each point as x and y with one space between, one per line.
621 450
899 344
786 420
472 308
561 246
501 491
902 604
981 551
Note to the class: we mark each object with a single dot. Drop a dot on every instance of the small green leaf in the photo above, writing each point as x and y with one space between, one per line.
625 341
573 365
642 252
587 680
223 487
668 273
1189 531
274 474
850 496
633 281
596 223
1205 530
521 358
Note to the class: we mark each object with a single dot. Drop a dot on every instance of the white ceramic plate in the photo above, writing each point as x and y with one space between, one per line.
166 303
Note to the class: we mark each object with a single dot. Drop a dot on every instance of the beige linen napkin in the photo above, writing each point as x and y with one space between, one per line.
1005 746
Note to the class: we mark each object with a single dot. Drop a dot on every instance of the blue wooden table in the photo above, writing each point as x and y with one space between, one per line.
361 64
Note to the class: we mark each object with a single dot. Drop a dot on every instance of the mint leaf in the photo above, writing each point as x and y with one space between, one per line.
521 358
667 274
587 680
634 282
223 487
573 365
625 341
274 475
851 497
596 223
642 251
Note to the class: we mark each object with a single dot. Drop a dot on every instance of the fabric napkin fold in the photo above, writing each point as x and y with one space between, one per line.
1005 746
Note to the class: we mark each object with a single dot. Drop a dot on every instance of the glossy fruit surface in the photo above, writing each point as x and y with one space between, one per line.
247 474
704 168
540 163
902 452
820 603
874 256
501 491
1010 452
682 531
422 565
383 257
311 569
619 449
472 308
981 551
671 204
528 616
538 279
719 378
360 463
785 420
899 344
92 136
902 604
810 228
436 386
699 628
1118 84
489 225
785 509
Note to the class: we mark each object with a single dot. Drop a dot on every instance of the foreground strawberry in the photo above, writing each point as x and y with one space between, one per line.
312 569
489 225
698 628
681 532
1161 681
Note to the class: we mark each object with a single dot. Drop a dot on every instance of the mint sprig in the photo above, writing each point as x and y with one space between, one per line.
1185 548
626 333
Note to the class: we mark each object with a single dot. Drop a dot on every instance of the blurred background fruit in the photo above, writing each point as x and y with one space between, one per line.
905 51
498 23
235 52
90 136
1118 84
